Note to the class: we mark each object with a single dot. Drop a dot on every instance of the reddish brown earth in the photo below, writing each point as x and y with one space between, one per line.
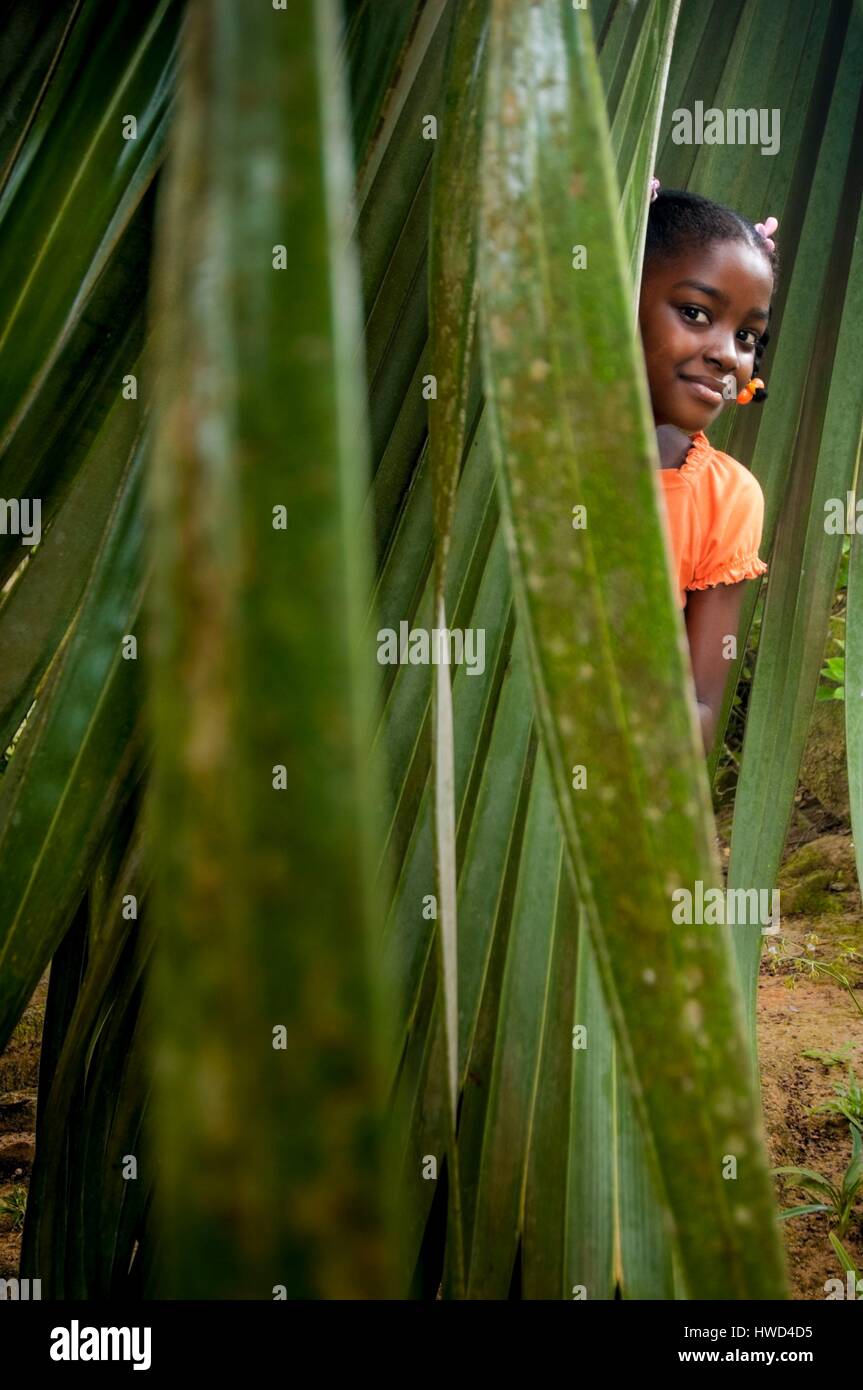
811 1014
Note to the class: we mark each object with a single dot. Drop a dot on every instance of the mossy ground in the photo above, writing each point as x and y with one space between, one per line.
801 1009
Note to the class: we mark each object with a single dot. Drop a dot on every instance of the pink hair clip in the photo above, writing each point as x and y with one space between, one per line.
766 230
654 189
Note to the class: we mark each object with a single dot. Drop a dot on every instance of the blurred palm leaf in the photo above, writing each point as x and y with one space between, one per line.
258 661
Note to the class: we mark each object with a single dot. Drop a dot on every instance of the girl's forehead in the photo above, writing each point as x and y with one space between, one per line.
734 267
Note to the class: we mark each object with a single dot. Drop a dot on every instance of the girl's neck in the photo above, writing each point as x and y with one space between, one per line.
674 445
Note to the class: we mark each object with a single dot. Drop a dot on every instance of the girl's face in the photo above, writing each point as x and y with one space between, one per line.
700 314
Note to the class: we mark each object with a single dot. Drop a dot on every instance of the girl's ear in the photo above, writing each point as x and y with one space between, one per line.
760 394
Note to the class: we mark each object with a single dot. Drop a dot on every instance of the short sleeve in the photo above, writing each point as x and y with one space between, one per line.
731 535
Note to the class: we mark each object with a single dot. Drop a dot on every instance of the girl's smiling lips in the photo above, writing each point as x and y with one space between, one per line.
706 388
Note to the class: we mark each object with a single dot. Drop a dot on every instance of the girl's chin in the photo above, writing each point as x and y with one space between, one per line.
690 415
690 423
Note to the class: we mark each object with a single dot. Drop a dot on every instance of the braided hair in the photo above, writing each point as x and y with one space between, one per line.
678 219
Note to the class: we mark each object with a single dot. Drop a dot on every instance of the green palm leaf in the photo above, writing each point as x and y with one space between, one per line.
75 763
578 434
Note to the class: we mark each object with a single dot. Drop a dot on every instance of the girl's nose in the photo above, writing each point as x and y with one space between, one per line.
723 351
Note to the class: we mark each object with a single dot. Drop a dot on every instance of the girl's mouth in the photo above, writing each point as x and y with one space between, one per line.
705 389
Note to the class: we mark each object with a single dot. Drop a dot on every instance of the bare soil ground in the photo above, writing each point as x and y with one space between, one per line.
814 1014
19 1073
801 1009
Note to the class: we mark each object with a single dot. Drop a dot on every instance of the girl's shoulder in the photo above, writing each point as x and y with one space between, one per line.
708 470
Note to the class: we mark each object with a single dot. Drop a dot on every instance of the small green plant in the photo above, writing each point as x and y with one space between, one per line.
827 1058
847 1101
832 683
842 1254
14 1204
834 679
838 1200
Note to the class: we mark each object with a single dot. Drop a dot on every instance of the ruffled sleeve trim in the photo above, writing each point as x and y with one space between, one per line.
698 455
731 572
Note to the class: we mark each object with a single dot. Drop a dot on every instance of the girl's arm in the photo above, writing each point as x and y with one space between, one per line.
712 616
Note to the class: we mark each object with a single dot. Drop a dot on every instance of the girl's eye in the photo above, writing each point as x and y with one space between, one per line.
691 312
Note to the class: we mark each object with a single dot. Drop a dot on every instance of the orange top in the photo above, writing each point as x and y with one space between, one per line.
715 512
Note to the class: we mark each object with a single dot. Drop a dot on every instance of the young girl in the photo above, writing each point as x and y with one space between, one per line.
705 300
